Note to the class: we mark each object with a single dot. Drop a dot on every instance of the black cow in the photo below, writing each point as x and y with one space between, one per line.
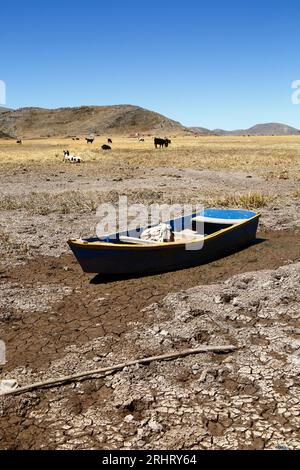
109 141
161 142
19 141
89 141
106 147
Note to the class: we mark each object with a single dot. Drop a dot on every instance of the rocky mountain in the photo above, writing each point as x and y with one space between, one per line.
272 128
201 131
85 120
119 119
4 136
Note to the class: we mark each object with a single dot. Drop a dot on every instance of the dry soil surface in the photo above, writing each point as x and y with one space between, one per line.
56 320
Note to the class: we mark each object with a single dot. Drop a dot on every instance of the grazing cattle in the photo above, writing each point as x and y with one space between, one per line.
19 141
71 158
141 139
161 142
89 141
109 141
106 147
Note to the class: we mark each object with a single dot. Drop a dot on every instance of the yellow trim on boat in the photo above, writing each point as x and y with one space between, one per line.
89 245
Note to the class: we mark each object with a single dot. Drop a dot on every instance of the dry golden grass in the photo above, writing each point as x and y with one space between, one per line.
43 203
77 202
251 200
274 157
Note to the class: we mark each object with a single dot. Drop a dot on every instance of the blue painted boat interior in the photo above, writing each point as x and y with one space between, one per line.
182 223
228 213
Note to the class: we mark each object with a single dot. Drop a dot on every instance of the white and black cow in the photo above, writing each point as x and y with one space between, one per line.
71 158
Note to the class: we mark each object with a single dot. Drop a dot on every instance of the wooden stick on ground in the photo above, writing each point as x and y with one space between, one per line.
103 371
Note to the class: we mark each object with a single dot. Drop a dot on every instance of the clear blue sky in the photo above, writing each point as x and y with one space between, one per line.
215 64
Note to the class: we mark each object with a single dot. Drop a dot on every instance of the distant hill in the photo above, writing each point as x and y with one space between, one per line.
85 120
272 128
201 131
4 136
106 120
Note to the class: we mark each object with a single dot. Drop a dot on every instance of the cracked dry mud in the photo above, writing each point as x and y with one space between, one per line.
55 322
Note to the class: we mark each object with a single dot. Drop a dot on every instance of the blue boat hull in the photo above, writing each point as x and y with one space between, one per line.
109 258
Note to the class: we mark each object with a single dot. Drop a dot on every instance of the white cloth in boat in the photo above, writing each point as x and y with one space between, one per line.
159 233
164 233
187 235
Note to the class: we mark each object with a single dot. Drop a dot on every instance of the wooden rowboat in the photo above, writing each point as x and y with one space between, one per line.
223 231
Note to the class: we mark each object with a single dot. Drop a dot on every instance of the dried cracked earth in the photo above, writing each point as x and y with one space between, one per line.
56 320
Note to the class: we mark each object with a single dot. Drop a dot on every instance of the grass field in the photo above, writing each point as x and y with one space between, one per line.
57 320
268 156
38 180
